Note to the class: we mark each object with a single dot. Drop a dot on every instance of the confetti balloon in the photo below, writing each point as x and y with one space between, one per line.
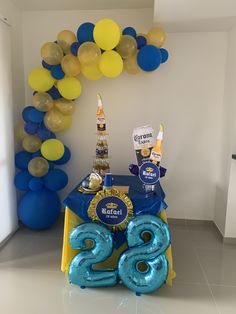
38 167
42 101
156 36
70 65
131 65
19 130
65 39
31 143
89 53
127 46
51 53
53 120
65 106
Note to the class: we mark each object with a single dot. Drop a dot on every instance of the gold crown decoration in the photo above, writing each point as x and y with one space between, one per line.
107 193
149 169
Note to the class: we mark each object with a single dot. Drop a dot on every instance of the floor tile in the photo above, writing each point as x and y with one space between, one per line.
225 298
181 298
41 254
219 265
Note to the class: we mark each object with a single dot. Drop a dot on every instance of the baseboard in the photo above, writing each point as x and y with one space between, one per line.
9 236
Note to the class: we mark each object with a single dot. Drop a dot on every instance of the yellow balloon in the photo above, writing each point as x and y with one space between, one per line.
131 65
51 53
52 149
70 65
42 101
89 53
111 64
65 39
38 167
31 143
106 34
65 106
156 36
54 120
91 72
69 87
19 130
127 46
40 80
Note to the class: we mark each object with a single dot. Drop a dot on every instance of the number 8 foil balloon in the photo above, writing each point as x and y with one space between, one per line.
151 253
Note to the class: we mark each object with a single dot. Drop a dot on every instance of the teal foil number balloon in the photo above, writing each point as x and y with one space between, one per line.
80 270
150 253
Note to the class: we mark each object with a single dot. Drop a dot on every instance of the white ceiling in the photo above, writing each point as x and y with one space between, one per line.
34 5
195 15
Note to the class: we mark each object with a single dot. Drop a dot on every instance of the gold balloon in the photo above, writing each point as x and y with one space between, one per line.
65 39
156 36
91 72
89 54
127 46
70 65
131 65
54 120
38 166
67 121
42 101
51 53
31 143
65 106
19 130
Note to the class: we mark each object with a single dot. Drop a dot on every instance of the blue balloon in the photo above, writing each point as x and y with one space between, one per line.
22 159
39 209
149 58
46 65
129 31
54 93
151 253
141 41
57 72
80 271
31 128
164 55
45 134
22 180
65 158
36 116
55 179
85 32
51 165
36 184
25 113
74 48
37 154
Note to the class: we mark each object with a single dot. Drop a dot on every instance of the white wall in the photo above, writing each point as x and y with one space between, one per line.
186 94
12 100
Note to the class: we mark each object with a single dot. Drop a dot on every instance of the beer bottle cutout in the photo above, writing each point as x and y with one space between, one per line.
156 152
101 122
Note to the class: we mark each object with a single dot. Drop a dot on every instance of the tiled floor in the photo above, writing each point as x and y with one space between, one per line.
31 281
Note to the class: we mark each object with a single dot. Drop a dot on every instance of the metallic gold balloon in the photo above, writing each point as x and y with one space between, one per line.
65 39
127 46
67 121
131 65
51 53
89 54
19 130
65 106
156 36
42 101
54 120
38 166
31 143
70 65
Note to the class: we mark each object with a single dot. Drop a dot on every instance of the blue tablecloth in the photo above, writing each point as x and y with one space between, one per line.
143 203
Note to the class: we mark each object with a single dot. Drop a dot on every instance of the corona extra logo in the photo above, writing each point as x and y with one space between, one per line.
111 205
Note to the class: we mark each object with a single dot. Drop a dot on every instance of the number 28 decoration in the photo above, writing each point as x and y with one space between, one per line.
150 253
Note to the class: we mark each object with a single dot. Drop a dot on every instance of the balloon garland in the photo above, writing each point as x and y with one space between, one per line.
95 51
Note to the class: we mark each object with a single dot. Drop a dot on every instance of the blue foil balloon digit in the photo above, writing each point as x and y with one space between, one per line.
151 253
80 271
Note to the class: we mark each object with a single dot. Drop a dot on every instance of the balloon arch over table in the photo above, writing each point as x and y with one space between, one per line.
97 50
